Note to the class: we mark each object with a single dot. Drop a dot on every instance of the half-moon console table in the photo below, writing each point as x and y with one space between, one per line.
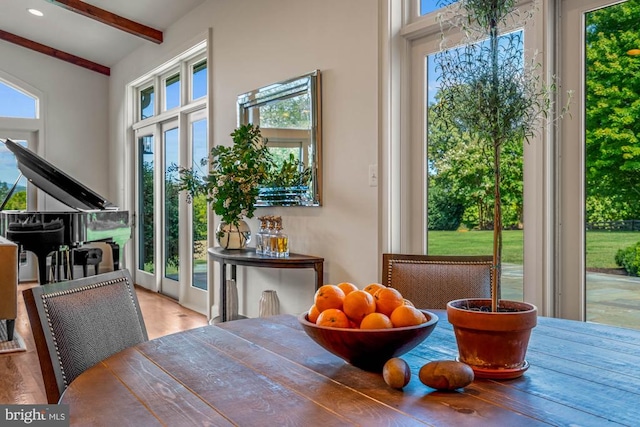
248 257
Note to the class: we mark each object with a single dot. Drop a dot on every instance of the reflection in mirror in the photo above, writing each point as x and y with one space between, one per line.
288 114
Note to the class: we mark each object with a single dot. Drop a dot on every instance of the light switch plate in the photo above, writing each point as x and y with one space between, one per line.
373 175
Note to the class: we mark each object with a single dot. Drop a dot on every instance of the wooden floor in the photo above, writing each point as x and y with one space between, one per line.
20 376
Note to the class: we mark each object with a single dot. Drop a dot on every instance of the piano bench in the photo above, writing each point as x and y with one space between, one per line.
86 257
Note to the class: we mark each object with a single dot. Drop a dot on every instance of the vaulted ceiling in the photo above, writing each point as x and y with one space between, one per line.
94 34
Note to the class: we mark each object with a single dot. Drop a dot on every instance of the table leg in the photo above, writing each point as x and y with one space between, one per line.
223 292
318 267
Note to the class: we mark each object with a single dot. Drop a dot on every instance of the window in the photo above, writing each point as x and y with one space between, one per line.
145 209
147 103
15 106
170 128
172 92
428 6
418 186
15 103
172 86
9 173
199 205
598 161
199 80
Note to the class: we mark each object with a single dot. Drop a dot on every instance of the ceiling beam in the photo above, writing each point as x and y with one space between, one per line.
47 50
110 19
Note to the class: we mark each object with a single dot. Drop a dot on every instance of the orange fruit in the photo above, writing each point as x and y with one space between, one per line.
358 304
333 318
313 313
407 302
347 287
406 315
376 321
387 300
372 288
328 296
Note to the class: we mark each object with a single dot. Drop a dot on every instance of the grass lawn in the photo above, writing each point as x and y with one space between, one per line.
601 245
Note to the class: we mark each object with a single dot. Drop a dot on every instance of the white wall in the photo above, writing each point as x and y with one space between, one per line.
75 112
256 43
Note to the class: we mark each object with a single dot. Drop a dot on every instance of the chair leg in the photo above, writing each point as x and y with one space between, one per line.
42 269
11 323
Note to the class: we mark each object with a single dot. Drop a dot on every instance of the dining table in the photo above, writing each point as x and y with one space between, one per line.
268 372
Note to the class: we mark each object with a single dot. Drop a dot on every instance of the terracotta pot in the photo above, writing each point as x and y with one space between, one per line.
493 344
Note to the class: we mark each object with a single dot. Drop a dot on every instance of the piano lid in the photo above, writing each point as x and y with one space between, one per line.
56 183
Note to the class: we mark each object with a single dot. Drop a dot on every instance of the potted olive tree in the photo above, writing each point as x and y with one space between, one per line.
489 92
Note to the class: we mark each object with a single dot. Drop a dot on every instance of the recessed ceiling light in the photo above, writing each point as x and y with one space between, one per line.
35 12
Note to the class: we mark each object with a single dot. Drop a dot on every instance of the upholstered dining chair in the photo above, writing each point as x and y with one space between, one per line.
430 281
78 323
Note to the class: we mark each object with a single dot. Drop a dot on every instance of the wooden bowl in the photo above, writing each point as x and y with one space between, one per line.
369 349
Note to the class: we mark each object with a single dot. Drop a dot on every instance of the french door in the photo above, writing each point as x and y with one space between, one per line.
171 231
442 200
599 184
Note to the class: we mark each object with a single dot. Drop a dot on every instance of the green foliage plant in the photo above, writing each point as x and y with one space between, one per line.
489 90
612 109
235 174
629 259
291 173
445 212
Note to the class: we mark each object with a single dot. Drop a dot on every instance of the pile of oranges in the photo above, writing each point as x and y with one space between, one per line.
374 307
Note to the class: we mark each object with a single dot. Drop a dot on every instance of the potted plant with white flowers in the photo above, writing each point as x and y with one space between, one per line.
232 183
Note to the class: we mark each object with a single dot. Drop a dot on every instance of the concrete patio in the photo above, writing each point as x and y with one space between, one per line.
611 299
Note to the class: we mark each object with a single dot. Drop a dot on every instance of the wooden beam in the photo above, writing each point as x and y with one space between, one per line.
110 19
47 50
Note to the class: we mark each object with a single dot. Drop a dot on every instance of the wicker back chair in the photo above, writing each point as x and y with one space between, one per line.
79 323
430 281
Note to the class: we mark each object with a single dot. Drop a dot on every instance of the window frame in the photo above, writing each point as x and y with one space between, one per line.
188 295
398 201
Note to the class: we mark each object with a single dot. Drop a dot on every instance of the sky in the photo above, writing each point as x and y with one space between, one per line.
427 6
13 103
9 167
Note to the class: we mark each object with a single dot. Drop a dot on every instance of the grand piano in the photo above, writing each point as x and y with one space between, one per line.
92 218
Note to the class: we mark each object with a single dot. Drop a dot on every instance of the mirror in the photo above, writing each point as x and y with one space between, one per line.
288 114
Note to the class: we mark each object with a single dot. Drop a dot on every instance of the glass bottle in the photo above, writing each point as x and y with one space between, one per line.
273 237
283 240
268 235
260 236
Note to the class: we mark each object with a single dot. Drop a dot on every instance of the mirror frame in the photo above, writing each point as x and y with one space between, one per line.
311 84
